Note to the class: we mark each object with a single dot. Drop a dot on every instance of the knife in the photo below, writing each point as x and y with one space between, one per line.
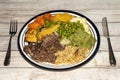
112 59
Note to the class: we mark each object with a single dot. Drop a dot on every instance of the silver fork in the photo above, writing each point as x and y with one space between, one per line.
12 32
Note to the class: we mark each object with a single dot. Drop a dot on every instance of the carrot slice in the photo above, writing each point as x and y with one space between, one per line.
40 20
51 18
33 25
47 15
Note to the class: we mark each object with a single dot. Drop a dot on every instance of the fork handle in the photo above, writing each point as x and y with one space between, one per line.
111 54
8 55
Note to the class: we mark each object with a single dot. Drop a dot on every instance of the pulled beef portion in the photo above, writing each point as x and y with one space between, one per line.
44 51
49 40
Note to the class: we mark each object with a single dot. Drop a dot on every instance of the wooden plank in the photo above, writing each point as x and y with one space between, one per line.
4 43
114 28
33 12
14 60
25 15
4 28
101 60
26 74
78 74
89 74
56 4
14 1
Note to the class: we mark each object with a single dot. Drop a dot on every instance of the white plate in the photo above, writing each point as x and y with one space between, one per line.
45 65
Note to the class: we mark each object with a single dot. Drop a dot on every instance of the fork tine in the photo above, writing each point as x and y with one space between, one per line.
10 26
13 26
16 26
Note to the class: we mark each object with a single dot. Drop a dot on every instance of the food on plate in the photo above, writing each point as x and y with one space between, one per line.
66 29
62 17
41 19
83 21
71 55
59 38
30 35
46 31
82 39
33 25
45 50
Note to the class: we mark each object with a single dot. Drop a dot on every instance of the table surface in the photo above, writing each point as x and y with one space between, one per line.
97 69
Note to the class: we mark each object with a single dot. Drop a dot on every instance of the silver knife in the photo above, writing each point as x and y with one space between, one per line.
106 34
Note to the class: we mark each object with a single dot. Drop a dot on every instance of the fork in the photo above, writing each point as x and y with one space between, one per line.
12 32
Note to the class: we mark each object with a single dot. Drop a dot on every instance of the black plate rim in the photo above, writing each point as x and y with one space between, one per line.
73 67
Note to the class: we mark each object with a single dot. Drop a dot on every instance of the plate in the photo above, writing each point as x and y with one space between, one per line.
93 29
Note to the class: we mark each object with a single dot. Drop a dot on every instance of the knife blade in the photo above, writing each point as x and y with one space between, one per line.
112 59
105 27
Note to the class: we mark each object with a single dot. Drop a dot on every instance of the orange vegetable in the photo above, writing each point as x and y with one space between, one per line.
40 20
47 15
33 25
51 18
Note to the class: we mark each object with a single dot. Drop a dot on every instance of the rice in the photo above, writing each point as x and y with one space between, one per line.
71 55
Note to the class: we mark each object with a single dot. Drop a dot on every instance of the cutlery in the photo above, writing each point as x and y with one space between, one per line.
12 32
106 34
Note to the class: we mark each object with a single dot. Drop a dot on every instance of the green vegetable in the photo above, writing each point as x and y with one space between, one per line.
82 39
49 23
66 29
39 29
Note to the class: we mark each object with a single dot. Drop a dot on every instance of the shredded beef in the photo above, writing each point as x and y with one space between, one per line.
44 51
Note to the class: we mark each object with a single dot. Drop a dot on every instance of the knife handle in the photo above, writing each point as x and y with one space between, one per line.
111 54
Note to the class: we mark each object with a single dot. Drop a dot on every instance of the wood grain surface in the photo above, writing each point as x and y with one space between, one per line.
23 10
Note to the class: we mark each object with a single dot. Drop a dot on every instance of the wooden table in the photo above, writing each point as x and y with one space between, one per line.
97 69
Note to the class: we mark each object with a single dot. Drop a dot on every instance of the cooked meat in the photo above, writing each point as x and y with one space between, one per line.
29 49
26 49
44 56
45 50
49 40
